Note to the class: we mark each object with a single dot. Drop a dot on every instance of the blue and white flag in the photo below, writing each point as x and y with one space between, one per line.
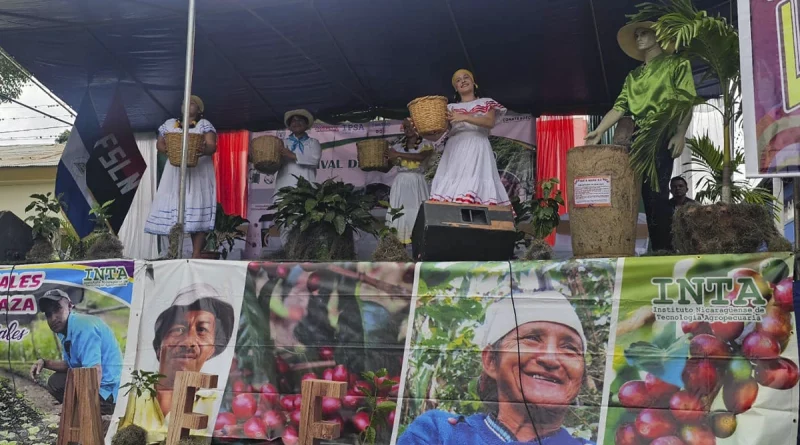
71 187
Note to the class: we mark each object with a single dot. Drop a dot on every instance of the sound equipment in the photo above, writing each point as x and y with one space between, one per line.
462 232
16 238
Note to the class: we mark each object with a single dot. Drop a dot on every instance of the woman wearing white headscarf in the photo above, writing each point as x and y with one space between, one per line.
534 372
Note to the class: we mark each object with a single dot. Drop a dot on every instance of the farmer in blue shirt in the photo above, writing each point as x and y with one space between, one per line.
86 342
531 376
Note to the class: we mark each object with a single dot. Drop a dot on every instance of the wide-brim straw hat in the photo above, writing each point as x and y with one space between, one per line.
627 40
302 112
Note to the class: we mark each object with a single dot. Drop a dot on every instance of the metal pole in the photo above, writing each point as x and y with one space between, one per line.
187 94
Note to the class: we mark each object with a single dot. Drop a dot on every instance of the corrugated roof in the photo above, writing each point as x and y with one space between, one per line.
30 155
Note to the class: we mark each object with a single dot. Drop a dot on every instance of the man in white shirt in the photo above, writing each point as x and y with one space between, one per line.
301 155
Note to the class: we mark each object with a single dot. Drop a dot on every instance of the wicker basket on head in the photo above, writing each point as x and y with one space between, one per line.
266 153
174 148
429 114
372 155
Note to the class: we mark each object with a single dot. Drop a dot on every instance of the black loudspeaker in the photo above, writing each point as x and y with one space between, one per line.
461 232
16 237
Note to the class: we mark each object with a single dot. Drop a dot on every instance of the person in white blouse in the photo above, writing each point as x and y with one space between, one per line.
201 183
301 155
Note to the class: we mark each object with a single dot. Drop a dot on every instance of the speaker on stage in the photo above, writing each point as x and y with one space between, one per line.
462 232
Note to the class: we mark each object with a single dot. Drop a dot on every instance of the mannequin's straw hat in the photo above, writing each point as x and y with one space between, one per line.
627 39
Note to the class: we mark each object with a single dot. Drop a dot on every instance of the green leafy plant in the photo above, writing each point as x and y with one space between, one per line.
378 409
226 232
394 215
715 43
45 220
544 211
707 160
102 214
63 137
331 203
142 382
12 78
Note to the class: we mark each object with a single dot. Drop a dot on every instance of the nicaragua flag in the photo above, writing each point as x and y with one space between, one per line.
71 189
99 164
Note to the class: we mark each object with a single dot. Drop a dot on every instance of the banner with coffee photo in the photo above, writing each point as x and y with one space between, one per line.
705 351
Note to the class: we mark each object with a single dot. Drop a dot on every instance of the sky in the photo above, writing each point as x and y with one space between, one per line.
20 126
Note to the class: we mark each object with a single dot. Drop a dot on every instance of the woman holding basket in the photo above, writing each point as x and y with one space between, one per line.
201 183
409 189
467 172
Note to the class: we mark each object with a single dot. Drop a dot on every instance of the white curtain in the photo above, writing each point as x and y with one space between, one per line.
138 244
705 120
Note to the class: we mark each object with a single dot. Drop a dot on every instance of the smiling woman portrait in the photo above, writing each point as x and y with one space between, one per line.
531 376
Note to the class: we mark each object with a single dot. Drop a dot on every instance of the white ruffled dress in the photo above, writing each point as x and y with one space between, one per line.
201 190
409 191
467 171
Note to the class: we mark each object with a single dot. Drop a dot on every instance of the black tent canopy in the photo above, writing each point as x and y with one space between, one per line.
256 59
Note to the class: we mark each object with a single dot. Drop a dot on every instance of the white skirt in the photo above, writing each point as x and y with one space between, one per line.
201 199
467 172
409 191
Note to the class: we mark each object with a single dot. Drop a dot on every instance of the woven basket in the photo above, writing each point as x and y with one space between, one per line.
266 153
174 148
372 155
429 114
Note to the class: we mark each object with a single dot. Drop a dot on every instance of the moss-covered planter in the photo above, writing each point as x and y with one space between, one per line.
41 252
725 228
320 243
103 245
390 249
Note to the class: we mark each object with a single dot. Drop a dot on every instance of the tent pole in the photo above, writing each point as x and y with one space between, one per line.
187 94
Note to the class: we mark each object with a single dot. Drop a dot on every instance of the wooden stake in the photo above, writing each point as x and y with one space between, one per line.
183 418
80 416
312 428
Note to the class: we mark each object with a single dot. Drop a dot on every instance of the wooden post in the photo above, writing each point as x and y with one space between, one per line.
80 416
312 428
183 418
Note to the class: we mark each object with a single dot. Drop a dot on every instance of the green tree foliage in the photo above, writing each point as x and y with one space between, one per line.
12 79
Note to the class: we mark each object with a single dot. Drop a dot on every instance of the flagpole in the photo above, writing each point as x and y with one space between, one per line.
187 94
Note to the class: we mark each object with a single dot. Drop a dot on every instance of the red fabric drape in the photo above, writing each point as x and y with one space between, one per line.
554 136
230 164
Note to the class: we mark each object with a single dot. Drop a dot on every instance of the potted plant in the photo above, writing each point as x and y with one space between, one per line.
227 230
46 227
102 243
389 248
537 219
713 42
322 219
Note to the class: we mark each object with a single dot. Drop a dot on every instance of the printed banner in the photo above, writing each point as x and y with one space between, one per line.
512 140
663 350
501 352
57 316
705 349
186 319
770 60
262 328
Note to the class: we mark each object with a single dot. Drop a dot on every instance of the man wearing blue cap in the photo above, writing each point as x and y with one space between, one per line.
86 342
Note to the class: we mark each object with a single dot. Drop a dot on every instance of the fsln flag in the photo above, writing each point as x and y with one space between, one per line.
115 165
71 185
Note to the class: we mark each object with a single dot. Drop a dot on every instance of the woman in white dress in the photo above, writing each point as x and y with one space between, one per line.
409 189
467 172
201 183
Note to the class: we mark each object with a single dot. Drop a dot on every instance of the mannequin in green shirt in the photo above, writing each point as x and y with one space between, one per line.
646 90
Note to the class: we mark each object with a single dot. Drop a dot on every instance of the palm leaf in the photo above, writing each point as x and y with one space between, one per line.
654 131
707 161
